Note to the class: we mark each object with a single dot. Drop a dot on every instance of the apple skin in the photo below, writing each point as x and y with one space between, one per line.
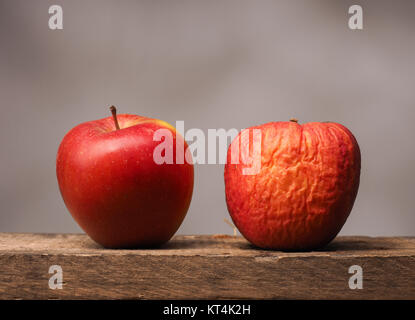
113 188
304 191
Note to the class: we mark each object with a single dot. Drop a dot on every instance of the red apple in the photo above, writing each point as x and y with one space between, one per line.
304 190
115 190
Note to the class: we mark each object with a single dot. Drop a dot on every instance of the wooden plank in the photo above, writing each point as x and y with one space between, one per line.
204 267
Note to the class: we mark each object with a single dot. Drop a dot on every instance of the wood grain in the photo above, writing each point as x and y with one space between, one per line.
204 267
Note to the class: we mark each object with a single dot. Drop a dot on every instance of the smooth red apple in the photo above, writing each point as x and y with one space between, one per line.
112 186
305 188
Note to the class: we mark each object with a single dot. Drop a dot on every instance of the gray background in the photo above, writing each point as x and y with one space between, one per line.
213 64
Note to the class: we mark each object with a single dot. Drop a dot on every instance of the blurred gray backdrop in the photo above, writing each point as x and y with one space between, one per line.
213 64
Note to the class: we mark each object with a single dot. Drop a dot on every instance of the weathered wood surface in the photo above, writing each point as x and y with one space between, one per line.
204 267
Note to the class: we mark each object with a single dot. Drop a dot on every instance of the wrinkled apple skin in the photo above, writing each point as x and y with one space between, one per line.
113 188
304 191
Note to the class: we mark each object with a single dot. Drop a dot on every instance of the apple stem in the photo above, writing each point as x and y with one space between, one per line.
294 120
114 115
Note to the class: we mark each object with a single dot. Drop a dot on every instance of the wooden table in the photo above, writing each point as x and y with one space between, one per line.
203 267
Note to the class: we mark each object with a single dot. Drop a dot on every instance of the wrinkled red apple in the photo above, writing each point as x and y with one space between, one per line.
305 188
112 186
